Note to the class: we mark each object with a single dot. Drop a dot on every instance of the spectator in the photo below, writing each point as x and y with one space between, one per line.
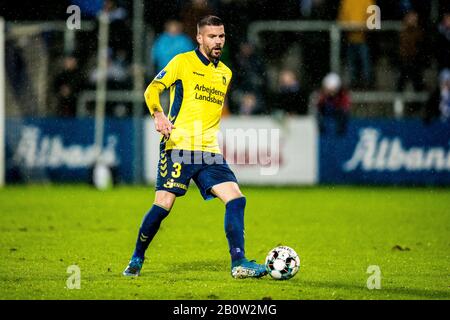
411 53
248 104
290 96
117 78
249 68
354 12
438 105
117 74
318 9
333 103
119 31
88 8
18 74
443 43
170 43
191 13
114 12
67 84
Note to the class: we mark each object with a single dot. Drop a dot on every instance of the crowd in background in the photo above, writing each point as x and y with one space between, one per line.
269 79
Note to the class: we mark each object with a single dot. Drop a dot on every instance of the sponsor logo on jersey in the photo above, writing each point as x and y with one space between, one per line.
170 183
209 94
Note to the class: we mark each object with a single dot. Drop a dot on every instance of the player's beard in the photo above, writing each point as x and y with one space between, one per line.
211 55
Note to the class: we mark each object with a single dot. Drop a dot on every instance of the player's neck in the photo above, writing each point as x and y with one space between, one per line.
202 52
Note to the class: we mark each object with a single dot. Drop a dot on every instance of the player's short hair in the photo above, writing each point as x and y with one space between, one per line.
209 21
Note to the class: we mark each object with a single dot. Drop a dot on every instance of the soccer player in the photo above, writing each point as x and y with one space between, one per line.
189 148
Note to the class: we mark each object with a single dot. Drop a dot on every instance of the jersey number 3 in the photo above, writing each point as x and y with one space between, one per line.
177 172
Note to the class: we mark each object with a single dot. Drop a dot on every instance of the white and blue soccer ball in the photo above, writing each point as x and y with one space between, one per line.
282 263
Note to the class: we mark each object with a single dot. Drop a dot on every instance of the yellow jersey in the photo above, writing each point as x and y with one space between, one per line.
355 11
197 92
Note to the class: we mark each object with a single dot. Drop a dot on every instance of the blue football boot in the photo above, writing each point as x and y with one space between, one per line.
244 268
134 267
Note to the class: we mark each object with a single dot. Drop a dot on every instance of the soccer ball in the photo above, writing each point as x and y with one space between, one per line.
282 263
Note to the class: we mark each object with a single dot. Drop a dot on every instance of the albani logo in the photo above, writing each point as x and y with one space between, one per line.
376 153
35 150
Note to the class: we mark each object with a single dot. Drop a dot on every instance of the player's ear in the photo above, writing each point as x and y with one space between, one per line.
199 38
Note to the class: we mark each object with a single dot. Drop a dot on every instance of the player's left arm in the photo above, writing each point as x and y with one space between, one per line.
226 102
230 83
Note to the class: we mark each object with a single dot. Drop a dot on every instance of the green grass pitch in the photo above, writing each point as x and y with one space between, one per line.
337 231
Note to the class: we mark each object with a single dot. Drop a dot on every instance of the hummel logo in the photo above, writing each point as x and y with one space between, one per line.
198 74
143 237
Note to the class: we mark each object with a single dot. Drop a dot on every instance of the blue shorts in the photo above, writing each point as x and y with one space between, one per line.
176 168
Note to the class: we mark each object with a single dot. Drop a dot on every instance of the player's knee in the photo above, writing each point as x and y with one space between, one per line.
235 194
165 204
232 193
165 200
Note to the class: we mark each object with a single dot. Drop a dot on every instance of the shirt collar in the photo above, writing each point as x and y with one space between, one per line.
204 59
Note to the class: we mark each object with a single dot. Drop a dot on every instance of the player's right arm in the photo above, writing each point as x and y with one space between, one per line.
162 124
162 81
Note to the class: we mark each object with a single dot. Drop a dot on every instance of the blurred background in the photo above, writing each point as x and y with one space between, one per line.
354 104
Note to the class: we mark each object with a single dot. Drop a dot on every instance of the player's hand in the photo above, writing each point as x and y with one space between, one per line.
162 124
